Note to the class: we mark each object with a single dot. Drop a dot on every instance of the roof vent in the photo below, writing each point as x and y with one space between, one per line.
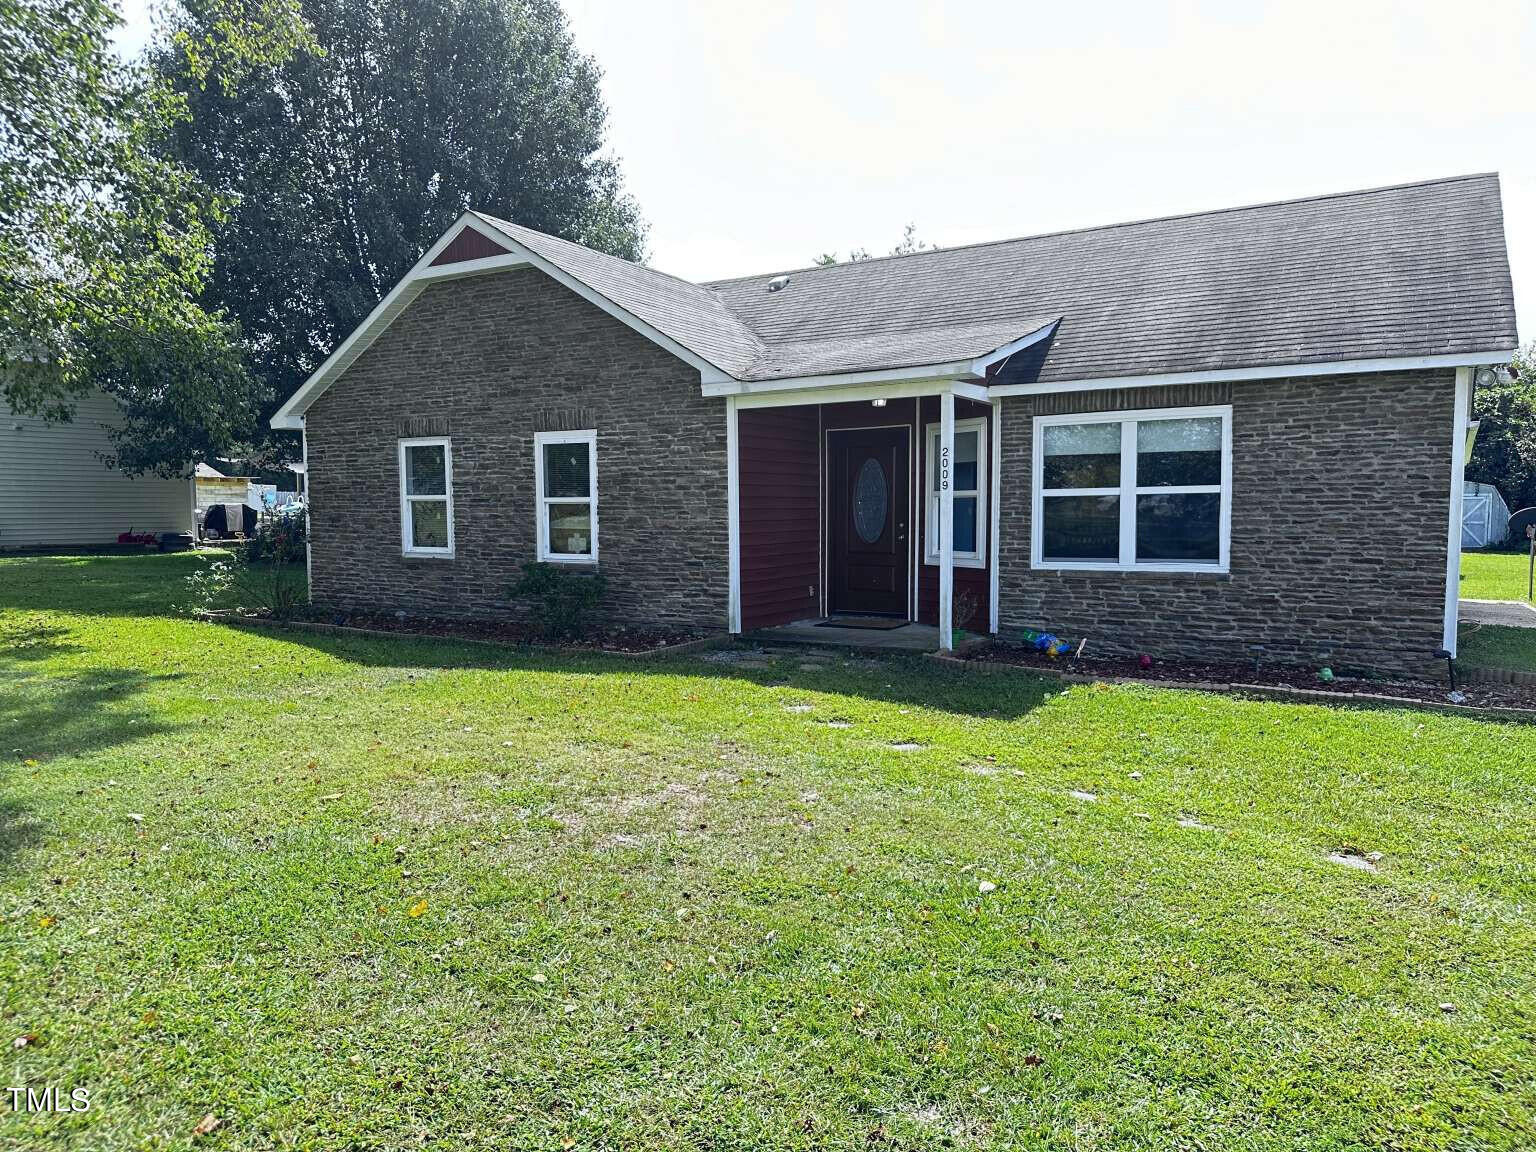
778 283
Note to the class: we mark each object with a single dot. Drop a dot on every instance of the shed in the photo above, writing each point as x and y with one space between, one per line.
1484 516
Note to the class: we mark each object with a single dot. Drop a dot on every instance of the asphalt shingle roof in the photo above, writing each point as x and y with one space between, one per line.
1413 270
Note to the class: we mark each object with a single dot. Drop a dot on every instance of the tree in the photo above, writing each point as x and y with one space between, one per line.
344 163
104 244
908 245
1504 453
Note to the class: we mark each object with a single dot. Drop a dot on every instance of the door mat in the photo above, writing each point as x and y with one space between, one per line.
874 623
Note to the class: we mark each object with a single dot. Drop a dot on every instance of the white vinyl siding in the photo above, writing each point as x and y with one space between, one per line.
55 492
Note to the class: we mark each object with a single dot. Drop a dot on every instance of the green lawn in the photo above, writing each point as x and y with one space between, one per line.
1494 575
1490 646
373 894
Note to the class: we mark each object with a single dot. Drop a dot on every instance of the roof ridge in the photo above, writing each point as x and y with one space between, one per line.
710 284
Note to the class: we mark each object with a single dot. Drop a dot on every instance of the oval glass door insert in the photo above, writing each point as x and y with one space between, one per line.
869 501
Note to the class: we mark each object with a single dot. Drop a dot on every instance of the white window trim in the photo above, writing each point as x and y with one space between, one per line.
406 547
587 436
978 558
1127 491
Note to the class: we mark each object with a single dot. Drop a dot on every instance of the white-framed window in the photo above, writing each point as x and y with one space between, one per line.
969 478
1146 490
426 496
565 482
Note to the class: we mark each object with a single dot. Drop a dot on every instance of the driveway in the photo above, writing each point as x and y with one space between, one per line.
1506 613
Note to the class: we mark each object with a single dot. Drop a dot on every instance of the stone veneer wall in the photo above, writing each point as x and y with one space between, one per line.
489 361
1340 489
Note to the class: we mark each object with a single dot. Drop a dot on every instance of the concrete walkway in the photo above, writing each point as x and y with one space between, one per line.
1505 613
908 637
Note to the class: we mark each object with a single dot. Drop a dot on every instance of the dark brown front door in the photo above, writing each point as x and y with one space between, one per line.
867 520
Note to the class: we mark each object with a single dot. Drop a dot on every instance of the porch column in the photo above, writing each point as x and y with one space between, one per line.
732 519
946 521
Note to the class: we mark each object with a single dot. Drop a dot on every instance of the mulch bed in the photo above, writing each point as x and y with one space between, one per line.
631 640
1236 676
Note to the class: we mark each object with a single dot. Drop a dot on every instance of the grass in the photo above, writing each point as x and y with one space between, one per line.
1494 575
1489 646
379 894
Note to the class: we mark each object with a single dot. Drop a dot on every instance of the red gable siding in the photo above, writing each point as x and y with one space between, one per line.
469 244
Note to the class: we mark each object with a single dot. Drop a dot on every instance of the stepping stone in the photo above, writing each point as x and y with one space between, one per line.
905 746
1086 797
1191 822
838 724
798 708
1350 860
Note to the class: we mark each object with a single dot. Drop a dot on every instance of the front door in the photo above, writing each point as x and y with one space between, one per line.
867 514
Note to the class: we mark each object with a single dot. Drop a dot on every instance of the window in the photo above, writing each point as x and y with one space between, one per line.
426 497
565 469
1131 490
969 477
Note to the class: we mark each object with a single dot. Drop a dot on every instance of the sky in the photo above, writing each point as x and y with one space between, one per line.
756 136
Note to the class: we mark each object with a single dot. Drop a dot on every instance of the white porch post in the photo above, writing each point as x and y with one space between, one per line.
1461 407
309 566
733 519
946 521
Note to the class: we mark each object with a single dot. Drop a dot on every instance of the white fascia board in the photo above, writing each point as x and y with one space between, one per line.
382 316
980 365
423 273
954 370
849 394
1324 368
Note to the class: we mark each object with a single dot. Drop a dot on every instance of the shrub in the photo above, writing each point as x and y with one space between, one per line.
278 538
235 583
562 599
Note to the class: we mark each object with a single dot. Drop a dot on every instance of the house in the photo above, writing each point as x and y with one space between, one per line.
56 493
214 487
1147 434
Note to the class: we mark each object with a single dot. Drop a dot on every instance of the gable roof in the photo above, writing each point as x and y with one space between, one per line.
692 315
1410 271
1413 270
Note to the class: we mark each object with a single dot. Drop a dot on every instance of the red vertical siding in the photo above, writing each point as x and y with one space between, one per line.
779 460
976 581
469 244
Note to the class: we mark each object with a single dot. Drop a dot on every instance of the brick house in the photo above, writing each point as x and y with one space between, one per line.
1153 434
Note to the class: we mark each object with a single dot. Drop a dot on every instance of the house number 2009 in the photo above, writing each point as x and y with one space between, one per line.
943 468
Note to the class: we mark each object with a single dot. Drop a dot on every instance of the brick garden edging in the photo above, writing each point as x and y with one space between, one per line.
1268 691
1477 675
702 644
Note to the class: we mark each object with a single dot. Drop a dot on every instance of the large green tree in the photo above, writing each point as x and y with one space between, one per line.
344 163
105 242
1504 453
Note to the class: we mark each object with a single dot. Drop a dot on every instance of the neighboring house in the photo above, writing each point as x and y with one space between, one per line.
56 493
213 487
1149 434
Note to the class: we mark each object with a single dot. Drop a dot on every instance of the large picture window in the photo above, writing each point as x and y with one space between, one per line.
565 467
969 477
1132 490
426 497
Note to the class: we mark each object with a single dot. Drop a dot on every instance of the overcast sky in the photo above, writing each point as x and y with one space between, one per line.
757 135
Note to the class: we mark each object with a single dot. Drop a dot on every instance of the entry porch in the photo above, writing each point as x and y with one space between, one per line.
879 510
